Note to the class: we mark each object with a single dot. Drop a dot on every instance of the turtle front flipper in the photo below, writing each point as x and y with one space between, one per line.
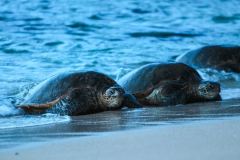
143 94
163 94
131 101
38 108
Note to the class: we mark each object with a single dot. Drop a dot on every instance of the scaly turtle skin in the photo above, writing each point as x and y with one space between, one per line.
218 57
77 93
169 84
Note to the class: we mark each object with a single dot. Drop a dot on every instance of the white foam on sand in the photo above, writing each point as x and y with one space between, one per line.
6 110
31 120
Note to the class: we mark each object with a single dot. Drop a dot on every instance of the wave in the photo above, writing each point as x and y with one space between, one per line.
220 76
6 110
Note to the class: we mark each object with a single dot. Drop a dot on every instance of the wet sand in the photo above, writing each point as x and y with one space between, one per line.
122 120
195 131
209 139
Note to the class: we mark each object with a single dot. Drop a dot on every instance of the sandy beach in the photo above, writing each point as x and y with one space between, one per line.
214 139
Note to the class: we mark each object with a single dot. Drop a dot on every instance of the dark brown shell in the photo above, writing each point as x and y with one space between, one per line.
218 57
86 87
141 79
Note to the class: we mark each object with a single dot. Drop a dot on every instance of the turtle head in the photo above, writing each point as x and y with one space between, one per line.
113 97
208 90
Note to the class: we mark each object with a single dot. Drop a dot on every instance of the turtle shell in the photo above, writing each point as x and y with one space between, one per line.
82 89
218 57
150 75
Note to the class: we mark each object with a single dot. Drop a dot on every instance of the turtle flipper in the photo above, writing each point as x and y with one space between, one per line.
161 94
38 108
140 95
131 101
168 93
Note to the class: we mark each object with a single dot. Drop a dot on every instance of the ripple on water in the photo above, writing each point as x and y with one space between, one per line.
3 18
158 34
95 17
14 51
83 26
32 19
225 19
53 43
140 11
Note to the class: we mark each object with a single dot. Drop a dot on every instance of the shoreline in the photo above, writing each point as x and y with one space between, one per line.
214 139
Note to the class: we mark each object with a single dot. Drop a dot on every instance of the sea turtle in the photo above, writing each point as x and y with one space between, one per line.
169 84
77 93
218 57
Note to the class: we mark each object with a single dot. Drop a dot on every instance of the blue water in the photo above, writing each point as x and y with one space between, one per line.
39 38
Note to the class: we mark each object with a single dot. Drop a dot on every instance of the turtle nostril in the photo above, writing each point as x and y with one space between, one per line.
205 91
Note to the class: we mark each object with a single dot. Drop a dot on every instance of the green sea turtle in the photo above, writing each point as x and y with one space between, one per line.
77 93
225 58
169 84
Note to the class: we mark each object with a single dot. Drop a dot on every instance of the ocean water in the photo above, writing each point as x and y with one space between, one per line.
40 38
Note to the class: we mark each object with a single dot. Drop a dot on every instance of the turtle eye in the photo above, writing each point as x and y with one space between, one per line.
111 92
212 87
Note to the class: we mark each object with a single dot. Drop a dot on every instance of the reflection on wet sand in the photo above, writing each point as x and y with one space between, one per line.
120 120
